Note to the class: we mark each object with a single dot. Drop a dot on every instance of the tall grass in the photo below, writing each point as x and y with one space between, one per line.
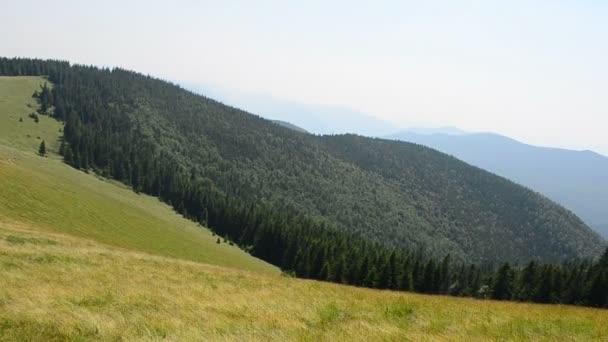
82 258
56 287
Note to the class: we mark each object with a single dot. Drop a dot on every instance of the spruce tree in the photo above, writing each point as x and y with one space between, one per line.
42 149
503 285
544 290
527 282
428 279
598 293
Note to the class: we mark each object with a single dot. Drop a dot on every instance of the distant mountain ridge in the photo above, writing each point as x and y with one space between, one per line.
290 126
576 179
441 130
314 118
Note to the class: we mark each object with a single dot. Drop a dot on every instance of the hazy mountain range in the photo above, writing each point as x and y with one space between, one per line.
313 118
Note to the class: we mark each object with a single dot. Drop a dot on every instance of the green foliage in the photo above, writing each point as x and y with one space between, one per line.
49 195
168 142
16 103
347 209
503 284
42 149
34 117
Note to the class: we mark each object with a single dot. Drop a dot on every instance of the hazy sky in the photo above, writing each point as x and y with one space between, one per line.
533 70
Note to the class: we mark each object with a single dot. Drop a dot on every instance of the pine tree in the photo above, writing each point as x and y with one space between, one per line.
503 285
42 149
598 292
444 275
603 263
428 280
544 292
406 282
527 282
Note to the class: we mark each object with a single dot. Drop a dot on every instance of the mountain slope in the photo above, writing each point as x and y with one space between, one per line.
453 190
576 179
59 288
46 194
208 159
316 119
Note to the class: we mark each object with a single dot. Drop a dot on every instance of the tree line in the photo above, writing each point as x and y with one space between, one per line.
98 138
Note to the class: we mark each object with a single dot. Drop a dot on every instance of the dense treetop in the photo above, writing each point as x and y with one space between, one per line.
196 153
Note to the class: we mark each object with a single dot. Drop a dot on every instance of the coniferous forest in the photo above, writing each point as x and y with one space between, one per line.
346 209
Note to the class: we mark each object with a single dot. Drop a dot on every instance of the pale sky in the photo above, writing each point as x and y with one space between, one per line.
536 71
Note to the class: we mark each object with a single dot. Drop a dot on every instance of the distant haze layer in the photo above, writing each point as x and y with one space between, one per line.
532 70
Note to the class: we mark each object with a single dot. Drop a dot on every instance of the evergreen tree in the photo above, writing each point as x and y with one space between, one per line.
444 275
42 149
503 284
428 279
544 290
184 151
406 282
527 282
598 293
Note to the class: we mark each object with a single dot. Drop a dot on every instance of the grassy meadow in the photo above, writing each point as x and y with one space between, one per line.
83 258
16 103
57 198
57 287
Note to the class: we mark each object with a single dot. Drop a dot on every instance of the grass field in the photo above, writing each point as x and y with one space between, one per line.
82 258
16 103
56 287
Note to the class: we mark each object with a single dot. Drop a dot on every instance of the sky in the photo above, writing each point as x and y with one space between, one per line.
536 71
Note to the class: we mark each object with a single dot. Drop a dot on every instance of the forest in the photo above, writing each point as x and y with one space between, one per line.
346 209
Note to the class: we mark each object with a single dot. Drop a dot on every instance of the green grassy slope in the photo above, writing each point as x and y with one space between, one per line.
47 194
16 103
56 288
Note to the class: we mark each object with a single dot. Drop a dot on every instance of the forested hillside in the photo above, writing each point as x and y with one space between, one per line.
475 210
238 172
40 193
575 179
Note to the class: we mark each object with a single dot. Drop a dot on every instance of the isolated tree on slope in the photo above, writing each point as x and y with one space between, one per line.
42 149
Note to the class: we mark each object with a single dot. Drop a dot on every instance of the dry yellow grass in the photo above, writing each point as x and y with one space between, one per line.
58 287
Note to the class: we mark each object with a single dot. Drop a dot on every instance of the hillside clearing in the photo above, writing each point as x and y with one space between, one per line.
16 103
47 194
